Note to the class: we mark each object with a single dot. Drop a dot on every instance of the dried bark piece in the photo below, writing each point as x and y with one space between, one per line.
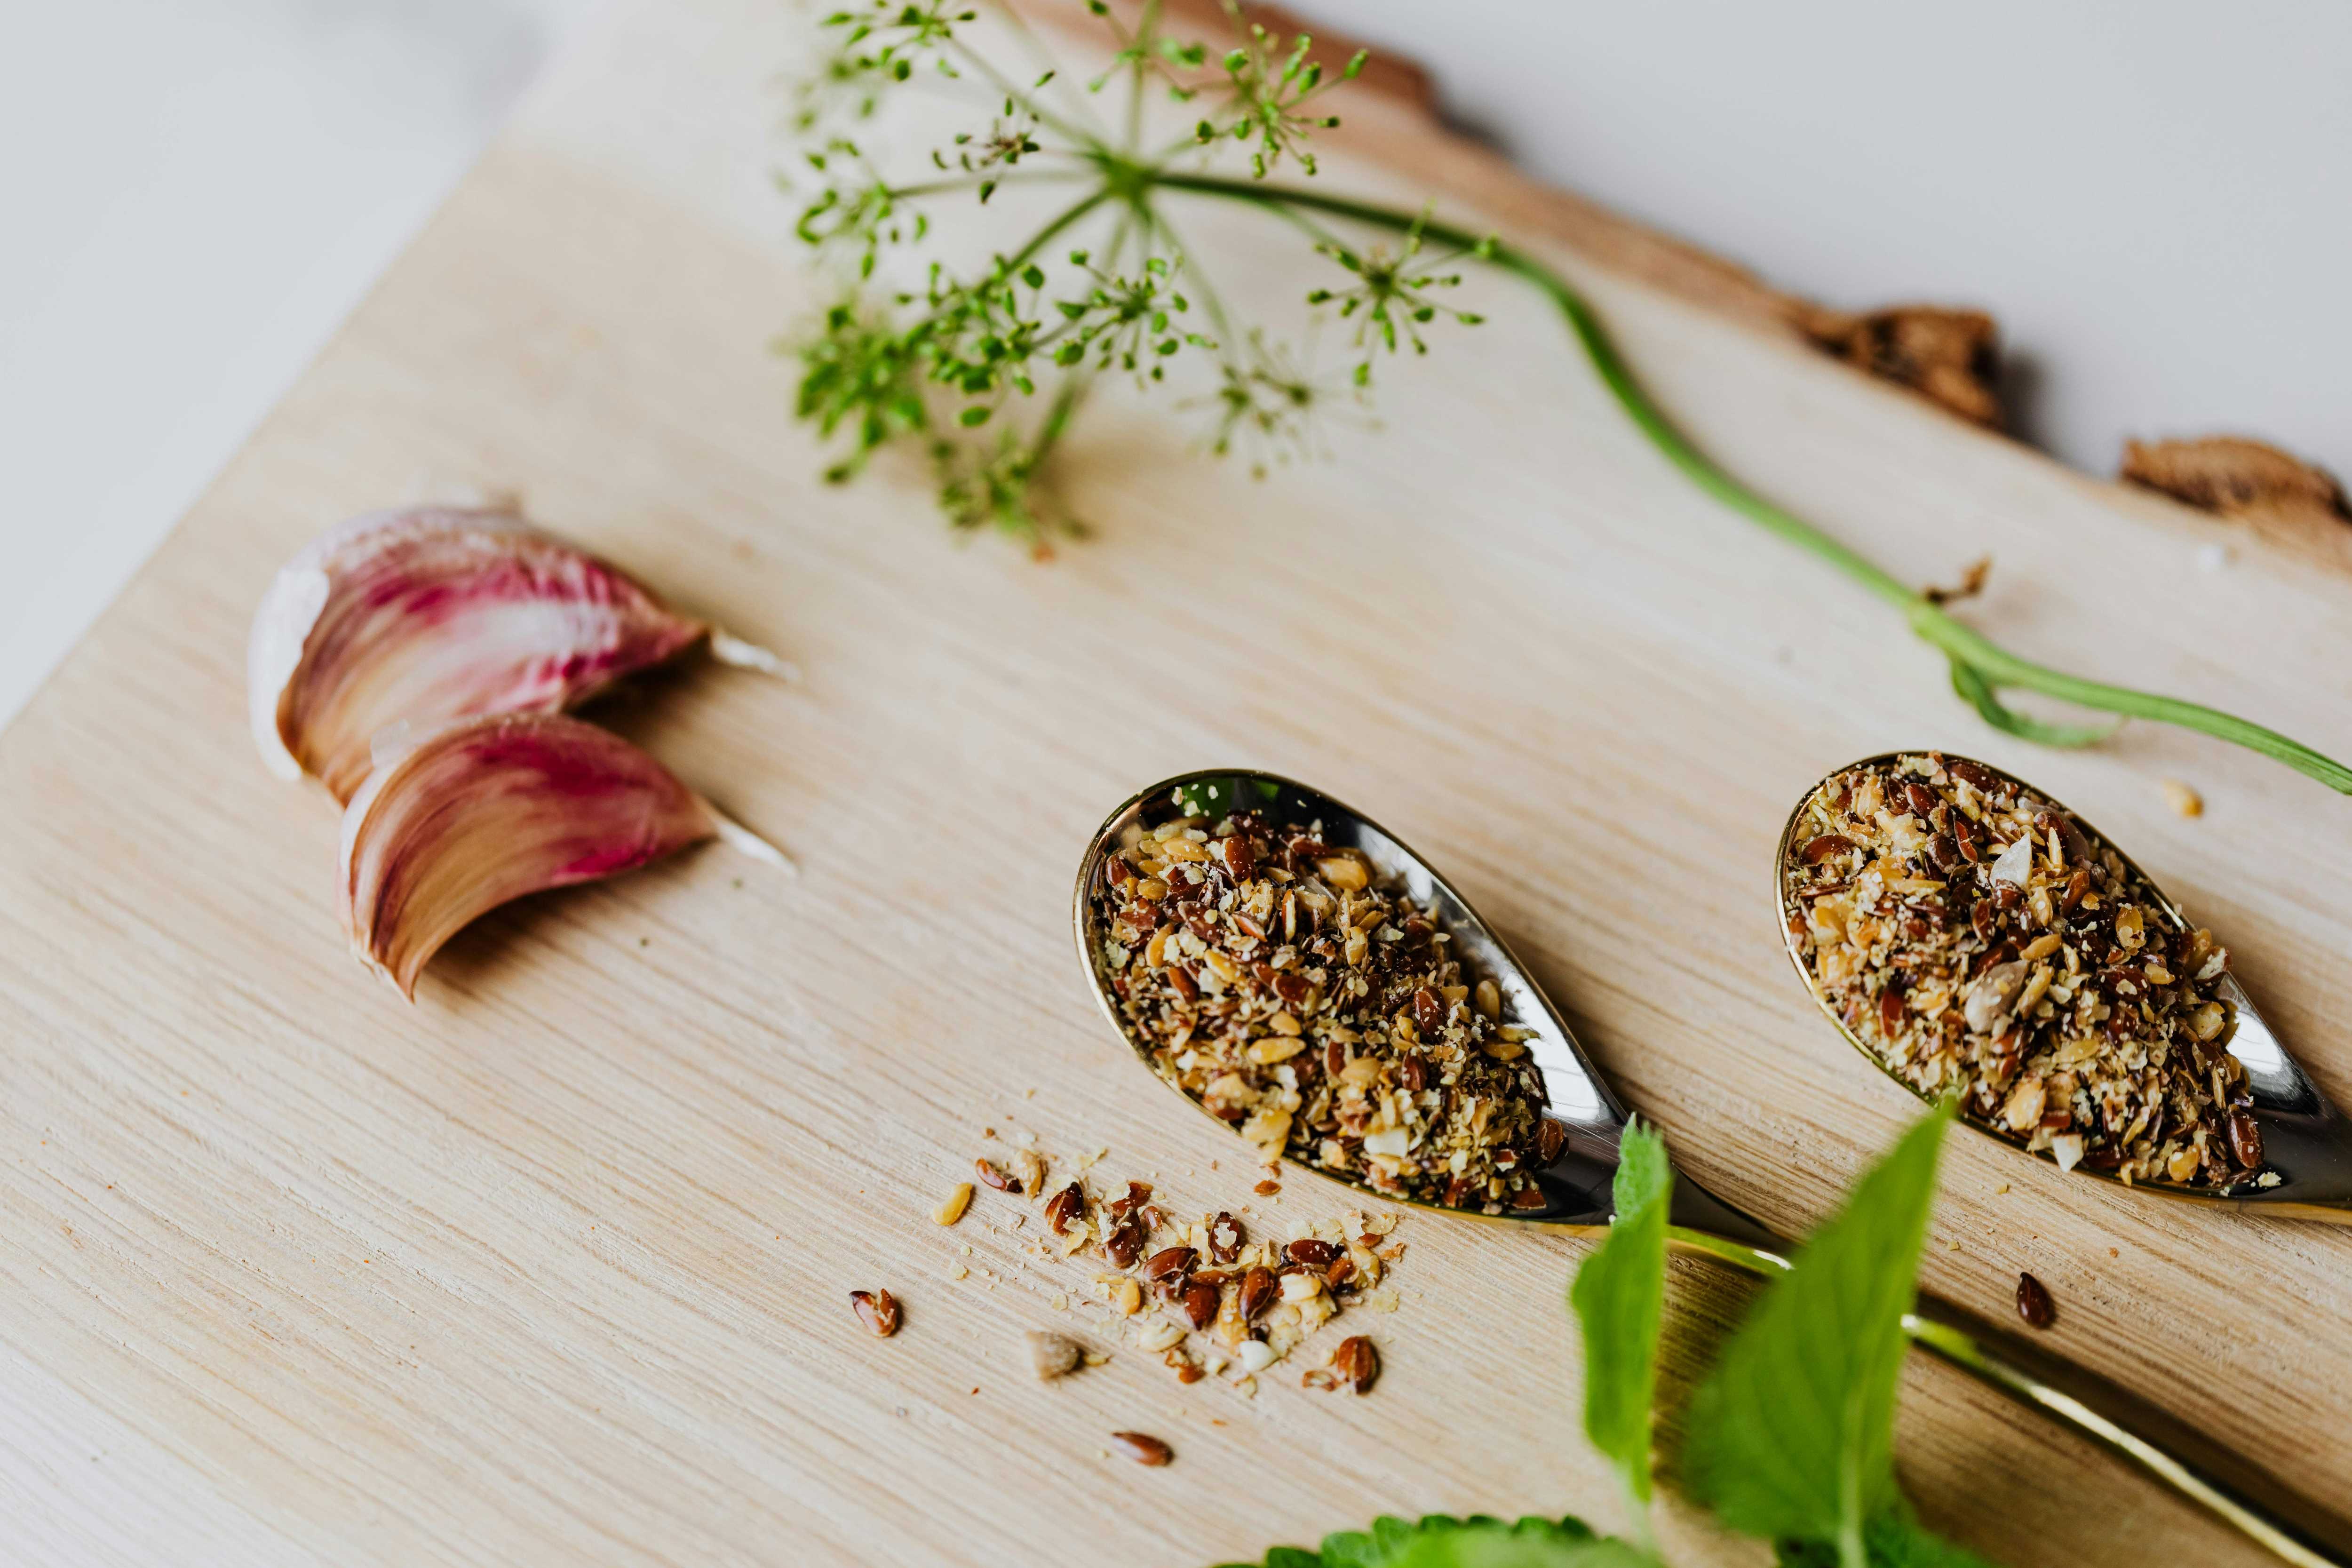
1950 357
2234 476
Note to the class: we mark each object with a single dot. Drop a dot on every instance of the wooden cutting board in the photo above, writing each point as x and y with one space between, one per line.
552 1266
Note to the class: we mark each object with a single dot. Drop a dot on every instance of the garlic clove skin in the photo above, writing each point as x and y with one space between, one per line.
486 810
427 615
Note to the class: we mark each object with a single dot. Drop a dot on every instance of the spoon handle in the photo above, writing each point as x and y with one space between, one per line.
2289 1527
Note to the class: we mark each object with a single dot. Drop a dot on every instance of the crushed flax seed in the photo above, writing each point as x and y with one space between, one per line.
1299 994
1972 935
1207 1296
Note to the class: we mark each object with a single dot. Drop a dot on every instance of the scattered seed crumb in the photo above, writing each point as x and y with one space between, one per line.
1055 1355
2001 1189
1951 1246
2113 1253
1061 1302
958 1271
1026 1138
1266 1189
2183 799
1143 1447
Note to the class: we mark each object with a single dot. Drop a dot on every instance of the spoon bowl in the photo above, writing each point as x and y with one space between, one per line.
1575 1184
2306 1144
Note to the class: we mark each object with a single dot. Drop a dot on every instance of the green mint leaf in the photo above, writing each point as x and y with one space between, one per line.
1442 1542
1891 1543
1792 1437
1207 797
1619 1296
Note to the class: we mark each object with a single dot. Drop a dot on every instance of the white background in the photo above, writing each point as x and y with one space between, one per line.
2155 198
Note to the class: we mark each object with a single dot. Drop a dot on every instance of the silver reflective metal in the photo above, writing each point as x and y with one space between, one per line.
1577 1184
2305 1140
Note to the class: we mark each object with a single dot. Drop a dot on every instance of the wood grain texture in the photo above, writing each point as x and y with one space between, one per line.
553 1267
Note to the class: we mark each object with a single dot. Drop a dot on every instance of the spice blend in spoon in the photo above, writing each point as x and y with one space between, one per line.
1295 992
1970 934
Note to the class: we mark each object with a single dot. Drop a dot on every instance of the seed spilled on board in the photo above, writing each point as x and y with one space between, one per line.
1143 1447
2033 1302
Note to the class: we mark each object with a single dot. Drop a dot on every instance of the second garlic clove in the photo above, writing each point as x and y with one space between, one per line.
433 613
487 810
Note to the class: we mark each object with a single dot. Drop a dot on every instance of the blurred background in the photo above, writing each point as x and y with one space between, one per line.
2154 201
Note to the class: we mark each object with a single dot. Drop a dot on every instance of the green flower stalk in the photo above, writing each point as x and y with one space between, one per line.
930 367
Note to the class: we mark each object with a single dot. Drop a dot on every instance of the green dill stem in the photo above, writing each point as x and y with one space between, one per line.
1958 642
1057 417
1045 236
968 182
1018 96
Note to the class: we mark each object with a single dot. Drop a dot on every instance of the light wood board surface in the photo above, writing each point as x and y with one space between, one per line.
552 1266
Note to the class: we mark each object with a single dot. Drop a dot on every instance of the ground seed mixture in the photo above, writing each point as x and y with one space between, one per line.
1295 993
1971 935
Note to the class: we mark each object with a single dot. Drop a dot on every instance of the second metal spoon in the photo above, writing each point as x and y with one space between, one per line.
2306 1166
1575 1186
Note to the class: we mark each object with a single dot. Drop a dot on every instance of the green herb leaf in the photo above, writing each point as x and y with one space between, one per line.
1442 1542
1791 1437
1219 797
1888 1544
1619 1296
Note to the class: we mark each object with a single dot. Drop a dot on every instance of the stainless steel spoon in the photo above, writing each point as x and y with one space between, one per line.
2306 1143
1576 1185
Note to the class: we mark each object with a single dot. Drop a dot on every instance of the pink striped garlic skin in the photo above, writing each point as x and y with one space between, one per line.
431 614
488 809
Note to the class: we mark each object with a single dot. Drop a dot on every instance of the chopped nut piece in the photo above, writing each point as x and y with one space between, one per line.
952 1207
2183 799
877 1309
1069 1203
1055 1355
1157 1335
